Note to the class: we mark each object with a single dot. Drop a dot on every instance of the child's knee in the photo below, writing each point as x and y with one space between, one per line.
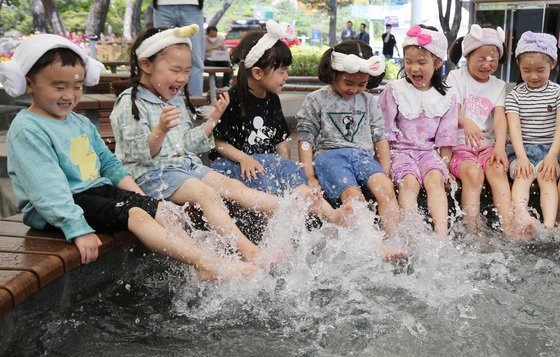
433 179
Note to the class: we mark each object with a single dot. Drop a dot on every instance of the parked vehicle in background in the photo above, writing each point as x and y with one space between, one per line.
241 26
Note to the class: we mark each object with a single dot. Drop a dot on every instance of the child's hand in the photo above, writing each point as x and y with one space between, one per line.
250 167
167 119
499 156
313 183
524 168
88 245
473 135
549 168
220 105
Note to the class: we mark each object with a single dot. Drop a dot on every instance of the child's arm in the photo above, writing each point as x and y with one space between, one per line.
128 183
383 155
168 120
305 151
249 166
499 155
220 105
88 246
283 149
523 168
549 167
473 135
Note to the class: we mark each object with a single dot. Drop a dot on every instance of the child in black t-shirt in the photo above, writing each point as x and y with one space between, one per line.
251 135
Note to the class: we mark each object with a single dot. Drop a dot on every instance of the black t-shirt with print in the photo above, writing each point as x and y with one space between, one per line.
261 128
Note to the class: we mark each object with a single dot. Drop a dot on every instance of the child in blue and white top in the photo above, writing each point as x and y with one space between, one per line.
341 129
533 114
65 176
251 137
480 150
157 143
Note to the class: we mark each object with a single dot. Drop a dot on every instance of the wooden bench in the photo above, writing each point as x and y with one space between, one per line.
31 259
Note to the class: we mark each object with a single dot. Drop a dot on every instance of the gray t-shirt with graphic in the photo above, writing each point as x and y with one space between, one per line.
329 121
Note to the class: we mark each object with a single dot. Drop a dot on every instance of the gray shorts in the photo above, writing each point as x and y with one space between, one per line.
162 183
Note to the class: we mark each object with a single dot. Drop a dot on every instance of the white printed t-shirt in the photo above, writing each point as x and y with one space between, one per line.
478 101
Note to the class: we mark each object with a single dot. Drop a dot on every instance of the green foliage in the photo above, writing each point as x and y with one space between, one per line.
306 60
16 17
392 69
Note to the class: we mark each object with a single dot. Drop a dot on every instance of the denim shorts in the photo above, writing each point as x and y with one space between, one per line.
341 168
281 174
162 183
535 153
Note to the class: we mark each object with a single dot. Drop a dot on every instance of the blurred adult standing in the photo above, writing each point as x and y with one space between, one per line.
389 42
363 35
348 34
179 13
215 43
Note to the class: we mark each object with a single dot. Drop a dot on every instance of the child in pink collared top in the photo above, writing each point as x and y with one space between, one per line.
420 114
480 149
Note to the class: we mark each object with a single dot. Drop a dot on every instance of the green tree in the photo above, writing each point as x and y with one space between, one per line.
328 7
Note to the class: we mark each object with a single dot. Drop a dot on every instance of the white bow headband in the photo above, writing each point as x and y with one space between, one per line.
163 39
13 72
342 62
275 32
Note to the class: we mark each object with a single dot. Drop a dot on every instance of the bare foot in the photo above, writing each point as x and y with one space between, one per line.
224 269
391 253
525 228
316 201
341 215
266 260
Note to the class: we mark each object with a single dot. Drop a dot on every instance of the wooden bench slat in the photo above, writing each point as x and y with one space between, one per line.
18 229
68 253
15 218
6 301
45 267
21 284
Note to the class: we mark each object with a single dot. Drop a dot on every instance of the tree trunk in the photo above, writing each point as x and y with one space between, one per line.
127 23
54 17
332 22
39 16
97 16
136 18
218 16
450 30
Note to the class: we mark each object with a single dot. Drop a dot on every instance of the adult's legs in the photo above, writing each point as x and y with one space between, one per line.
191 14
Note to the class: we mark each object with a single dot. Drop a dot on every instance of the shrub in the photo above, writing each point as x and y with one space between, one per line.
306 60
392 69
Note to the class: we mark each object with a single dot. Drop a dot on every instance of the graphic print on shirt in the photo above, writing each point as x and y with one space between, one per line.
262 134
477 105
84 158
347 123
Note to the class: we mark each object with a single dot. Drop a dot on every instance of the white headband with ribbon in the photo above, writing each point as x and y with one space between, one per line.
275 31
163 39
13 72
342 62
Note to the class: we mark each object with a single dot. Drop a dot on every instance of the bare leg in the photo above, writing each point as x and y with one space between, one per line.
501 194
472 179
235 190
520 201
337 216
196 191
549 200
408 193
437 201
384 191
177 244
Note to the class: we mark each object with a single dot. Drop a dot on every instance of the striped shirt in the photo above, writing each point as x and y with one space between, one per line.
131 135
537 109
